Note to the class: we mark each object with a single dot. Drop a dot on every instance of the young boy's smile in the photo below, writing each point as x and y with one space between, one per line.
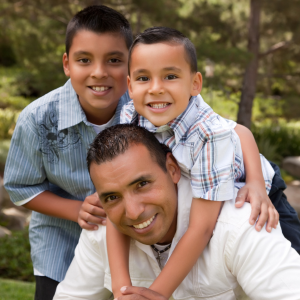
161 82
97 66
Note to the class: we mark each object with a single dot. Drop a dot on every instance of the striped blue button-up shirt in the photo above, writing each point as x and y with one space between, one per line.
206 147
48 152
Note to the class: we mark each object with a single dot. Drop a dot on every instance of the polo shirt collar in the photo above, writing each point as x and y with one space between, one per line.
179 125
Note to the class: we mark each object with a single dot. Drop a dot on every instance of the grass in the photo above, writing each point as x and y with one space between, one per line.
16 290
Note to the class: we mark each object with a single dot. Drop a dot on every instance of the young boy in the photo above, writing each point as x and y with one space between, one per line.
46 165
164 83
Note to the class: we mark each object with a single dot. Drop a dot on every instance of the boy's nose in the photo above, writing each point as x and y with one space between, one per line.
99 71
156 87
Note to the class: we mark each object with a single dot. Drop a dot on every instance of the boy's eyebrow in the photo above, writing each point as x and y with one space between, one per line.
138 71
80 52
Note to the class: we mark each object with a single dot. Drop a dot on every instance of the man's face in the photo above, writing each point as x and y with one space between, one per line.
161 82
97 66
139 198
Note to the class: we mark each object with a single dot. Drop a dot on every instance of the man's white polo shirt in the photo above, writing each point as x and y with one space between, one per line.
264 265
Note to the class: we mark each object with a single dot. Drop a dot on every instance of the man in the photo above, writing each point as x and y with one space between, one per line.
144 195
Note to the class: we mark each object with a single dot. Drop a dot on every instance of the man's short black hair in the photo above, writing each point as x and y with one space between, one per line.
98 19
115 140
156 35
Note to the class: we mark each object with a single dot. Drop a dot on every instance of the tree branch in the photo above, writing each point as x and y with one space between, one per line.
276 47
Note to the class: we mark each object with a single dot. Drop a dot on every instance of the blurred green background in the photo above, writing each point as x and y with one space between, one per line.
32 44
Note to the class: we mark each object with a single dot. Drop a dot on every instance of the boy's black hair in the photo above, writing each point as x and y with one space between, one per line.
156 35
115 140
98 19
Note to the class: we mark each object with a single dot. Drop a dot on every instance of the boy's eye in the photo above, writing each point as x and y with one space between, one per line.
111 198
143 78
170 77
114 60
142 183
84 60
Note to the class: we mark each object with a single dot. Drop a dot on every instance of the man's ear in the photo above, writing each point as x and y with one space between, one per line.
66 64
196 84
129 86
173 168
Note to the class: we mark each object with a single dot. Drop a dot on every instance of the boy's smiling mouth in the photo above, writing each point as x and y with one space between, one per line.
159 105
99 88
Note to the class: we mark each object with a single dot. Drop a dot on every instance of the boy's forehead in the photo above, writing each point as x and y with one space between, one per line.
108 41
167 53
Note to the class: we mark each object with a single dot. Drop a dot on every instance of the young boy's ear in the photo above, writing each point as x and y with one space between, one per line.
129 86
196 84
66 64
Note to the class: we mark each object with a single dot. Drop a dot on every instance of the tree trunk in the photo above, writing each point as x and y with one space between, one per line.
249 82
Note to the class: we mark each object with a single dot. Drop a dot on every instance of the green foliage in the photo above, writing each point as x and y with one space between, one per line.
16 290
15 261
277 140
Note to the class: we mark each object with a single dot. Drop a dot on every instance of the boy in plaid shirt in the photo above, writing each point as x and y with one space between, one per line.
164 84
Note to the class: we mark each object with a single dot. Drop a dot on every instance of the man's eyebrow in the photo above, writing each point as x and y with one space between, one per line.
140 178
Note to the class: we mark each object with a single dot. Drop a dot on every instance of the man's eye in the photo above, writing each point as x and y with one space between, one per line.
170 77
142 183
84 60
143 78
114 60
111 198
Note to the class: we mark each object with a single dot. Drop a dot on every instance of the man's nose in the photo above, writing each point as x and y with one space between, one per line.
133 207
156 87
99 71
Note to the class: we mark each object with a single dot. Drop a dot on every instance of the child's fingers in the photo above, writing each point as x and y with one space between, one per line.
255 211
95 211
263 217
274 216
240 198
87 226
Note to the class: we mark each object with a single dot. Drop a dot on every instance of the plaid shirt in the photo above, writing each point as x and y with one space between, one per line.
206 147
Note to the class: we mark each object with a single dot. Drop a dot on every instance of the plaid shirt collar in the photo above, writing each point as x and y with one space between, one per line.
179 125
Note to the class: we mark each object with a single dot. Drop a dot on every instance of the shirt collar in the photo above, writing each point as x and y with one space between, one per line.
71 112
179 125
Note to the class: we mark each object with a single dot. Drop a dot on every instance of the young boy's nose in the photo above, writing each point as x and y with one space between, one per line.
99 71
156 87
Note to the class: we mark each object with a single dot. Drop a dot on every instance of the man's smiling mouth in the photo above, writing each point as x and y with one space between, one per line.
144 224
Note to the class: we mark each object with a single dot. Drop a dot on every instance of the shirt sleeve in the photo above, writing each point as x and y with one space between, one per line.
24 174
268 172
264 264
127 113
85 277
212 173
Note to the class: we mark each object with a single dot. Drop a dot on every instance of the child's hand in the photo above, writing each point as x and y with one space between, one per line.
261 205
91 213
139 293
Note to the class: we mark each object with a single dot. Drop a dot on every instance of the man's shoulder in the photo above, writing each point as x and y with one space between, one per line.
233 216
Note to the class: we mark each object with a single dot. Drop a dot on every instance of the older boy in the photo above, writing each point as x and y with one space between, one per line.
46 169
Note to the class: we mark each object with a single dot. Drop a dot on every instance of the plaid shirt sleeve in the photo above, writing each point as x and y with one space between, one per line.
127 113
212 173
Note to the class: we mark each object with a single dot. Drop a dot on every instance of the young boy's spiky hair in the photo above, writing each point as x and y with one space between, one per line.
98 19
156 35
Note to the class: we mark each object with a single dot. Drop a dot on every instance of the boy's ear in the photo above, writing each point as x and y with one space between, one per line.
129 86
66 64
196 84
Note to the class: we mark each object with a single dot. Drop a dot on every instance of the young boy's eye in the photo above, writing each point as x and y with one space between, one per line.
114 60
143 78
170 77
84 60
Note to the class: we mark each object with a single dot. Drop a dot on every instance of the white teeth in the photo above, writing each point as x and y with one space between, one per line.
144 224
100 88
158 105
